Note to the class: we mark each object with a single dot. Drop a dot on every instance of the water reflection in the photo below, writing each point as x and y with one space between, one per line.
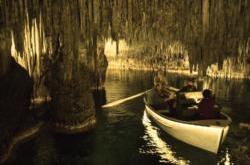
226 160
160 147
121 84
125 135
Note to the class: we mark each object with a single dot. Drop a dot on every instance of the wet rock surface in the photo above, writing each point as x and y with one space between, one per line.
68 33
16 120
72 104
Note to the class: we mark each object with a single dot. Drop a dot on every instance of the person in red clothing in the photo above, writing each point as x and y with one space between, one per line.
206 108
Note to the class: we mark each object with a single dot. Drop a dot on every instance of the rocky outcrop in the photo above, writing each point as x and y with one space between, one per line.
72 103
57 41
68 34
16 120
209 32
46 42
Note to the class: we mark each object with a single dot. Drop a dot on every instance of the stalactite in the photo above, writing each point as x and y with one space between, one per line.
207 28
205 17
100 16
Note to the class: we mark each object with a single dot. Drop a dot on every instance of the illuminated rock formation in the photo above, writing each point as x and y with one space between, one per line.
55 40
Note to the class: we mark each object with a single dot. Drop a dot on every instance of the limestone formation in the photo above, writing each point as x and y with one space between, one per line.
57 41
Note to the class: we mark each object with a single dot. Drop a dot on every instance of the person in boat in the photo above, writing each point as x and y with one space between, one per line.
206 107
157 98
160 78
160 97
189 86
184 106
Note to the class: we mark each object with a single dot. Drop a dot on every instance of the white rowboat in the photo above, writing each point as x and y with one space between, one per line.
204 134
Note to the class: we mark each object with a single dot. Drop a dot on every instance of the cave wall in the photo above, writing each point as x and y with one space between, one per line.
57 42
210 30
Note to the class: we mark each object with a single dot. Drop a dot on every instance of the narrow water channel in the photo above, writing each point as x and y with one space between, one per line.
125 135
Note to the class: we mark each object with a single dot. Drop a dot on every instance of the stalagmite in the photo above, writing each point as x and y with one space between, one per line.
56 41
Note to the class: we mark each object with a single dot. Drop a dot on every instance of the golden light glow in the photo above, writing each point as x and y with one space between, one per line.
161 147
226 71
226 159
177 48
110 47
33 49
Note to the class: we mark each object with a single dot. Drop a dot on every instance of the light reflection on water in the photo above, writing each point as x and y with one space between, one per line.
124 134
160 146
155 143
226 160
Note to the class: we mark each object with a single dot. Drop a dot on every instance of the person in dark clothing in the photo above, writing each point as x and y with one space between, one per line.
181 102
188 87
206 108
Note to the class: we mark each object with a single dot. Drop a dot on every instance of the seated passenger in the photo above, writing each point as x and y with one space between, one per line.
181 102
206 108
157 79
160 78
184 106
188 87
156 99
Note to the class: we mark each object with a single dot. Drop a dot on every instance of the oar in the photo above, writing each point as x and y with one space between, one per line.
173 89
124 100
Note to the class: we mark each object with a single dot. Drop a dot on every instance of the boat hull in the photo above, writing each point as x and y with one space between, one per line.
206 137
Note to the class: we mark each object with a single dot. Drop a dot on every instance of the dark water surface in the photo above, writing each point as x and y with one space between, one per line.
124 134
